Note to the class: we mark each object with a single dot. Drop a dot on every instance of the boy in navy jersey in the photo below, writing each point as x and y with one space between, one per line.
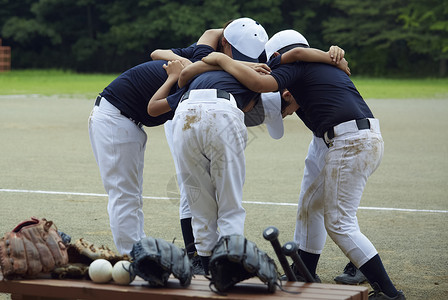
329 105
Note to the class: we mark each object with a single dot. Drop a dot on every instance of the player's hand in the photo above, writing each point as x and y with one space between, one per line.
261 68
185 62
213 58
173 68
343 65
336 54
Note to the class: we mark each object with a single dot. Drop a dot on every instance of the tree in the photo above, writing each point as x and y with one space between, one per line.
427 26
381 37
369 32
387 37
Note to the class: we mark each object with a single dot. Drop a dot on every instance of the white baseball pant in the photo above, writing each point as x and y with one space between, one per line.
184 209
119 146
330 203
209 140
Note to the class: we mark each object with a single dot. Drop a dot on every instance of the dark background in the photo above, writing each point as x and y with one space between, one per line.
396 38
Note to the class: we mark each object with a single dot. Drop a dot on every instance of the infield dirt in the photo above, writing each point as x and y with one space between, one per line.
48 170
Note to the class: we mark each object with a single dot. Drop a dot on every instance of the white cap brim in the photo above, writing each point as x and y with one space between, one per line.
267 111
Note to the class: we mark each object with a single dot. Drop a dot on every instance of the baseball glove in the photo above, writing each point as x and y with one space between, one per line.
80 255
83 251
154 260
235 259
32 248
71 271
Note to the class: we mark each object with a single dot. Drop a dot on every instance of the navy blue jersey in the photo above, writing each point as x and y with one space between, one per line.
216 80
326 94
185 52
131 91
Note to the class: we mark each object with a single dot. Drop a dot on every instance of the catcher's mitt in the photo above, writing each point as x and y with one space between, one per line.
154 260
235 259
33 247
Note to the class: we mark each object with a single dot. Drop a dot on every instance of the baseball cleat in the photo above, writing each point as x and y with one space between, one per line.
352 275
377 294
198 269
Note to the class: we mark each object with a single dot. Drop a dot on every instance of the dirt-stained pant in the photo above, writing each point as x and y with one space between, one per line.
209 138
330 203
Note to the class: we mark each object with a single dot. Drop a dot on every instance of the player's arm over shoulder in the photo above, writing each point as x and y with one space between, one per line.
211 38
256 81
196 68
335 56
158 103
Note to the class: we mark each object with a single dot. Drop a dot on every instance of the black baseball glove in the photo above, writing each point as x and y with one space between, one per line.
154 260
235 259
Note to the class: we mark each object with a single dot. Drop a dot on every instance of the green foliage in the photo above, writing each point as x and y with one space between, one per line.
388 33
381 37
427 24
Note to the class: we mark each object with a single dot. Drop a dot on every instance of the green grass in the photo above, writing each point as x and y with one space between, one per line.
51 82
381 88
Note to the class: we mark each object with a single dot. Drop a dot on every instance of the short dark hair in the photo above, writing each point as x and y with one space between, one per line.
283 102
219 48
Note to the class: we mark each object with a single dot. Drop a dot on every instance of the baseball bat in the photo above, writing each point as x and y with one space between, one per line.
271 234
290 249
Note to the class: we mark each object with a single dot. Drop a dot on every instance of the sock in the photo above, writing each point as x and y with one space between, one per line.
310 260
375 273
205 260
187 233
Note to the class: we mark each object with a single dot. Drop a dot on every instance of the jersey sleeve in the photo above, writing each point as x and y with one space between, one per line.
286 74
185 52
201 51
193 52
174 99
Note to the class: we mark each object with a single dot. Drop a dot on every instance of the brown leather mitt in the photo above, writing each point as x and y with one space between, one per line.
83 251
31 248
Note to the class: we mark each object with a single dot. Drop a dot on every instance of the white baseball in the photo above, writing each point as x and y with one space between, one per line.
100 271
120 273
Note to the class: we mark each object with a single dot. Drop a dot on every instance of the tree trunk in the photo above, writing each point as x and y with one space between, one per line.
442 67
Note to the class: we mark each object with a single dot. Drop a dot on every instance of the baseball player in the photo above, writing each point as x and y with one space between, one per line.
330 105
210 137
213 38
315 159
118 142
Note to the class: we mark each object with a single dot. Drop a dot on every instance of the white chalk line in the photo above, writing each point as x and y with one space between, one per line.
247 202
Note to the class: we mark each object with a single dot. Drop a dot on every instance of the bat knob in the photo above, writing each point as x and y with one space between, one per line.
270 233
289 248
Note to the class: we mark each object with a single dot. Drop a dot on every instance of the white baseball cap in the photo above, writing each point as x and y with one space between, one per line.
247 38
267 111
282 39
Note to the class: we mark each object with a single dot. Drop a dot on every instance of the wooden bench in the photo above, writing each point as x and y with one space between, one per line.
39 289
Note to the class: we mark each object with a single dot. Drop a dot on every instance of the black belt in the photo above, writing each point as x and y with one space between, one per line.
219 94
139 124
361 123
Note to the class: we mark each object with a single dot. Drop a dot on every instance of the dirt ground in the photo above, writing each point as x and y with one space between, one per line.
48 170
